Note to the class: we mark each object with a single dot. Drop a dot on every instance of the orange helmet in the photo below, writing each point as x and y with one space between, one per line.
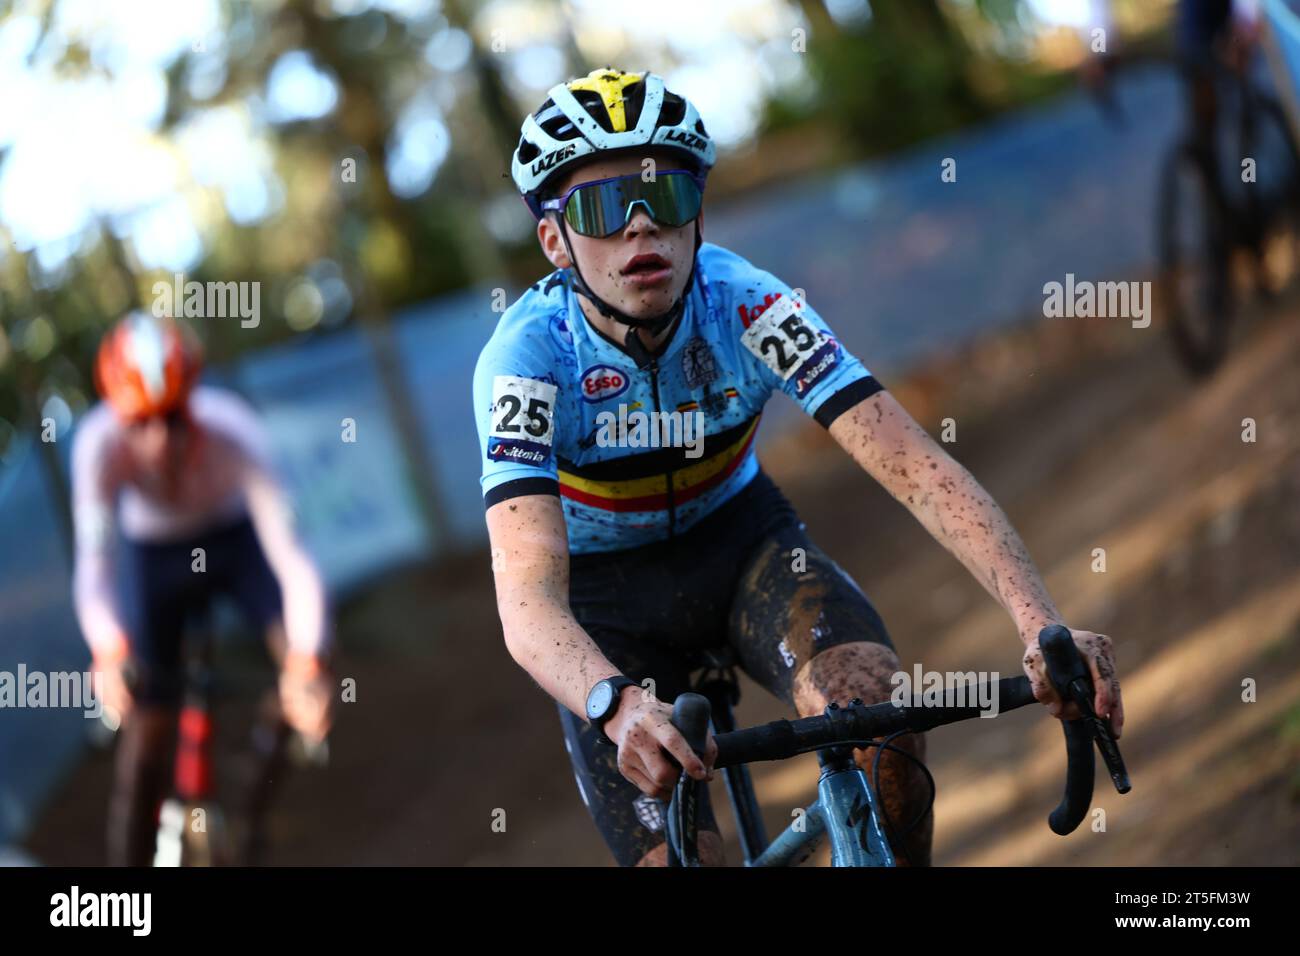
146 366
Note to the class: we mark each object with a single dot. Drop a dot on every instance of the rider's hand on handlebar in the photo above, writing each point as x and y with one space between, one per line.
643 730
1100 657
306 696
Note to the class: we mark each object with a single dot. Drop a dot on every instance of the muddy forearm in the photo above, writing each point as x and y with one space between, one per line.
963 517
890 446
546 640
530 561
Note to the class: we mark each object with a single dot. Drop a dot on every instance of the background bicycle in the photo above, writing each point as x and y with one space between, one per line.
1228 217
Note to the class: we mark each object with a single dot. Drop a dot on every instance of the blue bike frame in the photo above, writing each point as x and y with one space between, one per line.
845 810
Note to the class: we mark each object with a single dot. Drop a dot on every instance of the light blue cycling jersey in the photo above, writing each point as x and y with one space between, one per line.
640 454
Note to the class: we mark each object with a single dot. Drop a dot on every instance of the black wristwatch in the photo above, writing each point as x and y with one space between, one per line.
602 703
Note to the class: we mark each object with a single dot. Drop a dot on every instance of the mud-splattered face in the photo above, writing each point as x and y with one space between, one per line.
641 288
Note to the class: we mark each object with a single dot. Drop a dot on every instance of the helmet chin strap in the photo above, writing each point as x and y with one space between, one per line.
653 324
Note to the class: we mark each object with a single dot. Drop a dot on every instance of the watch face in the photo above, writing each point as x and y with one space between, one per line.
599 700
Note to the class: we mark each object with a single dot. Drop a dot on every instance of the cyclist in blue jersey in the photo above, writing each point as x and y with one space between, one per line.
632 527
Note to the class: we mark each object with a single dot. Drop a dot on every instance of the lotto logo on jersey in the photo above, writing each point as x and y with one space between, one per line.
748 315
601 382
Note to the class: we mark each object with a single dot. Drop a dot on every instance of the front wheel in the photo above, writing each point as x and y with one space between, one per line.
1194 256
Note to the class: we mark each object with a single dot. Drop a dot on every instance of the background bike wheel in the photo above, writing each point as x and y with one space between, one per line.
1194 255
1272 202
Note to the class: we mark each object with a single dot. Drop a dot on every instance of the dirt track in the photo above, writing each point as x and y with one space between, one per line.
1090 437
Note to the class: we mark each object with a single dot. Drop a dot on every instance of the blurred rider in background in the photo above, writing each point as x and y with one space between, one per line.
1209 35
176 467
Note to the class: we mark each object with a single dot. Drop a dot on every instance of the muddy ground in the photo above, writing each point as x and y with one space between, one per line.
1090 436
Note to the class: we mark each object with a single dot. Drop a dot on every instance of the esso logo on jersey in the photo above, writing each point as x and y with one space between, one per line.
603 381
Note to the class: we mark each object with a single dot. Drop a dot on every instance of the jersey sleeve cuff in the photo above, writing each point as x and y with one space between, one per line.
846 398
520 487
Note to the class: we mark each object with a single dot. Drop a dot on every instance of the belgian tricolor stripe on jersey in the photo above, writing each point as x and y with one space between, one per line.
639 482
693 405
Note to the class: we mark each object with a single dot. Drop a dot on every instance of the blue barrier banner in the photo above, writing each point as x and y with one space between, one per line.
334 443
1282 45
38 635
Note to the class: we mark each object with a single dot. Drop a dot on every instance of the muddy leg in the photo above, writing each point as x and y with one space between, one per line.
863 669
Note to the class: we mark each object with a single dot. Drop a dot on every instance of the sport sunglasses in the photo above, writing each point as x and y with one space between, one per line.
602 207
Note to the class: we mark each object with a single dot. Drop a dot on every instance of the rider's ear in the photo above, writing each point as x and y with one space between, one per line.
548 236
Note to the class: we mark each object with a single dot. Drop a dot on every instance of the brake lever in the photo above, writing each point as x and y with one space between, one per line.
1103 732
691 718
1067 669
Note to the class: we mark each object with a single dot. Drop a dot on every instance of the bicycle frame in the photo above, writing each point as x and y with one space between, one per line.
845 809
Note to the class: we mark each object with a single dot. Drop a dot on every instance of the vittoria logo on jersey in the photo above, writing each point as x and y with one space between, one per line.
523 452
601 382
818 364
747 315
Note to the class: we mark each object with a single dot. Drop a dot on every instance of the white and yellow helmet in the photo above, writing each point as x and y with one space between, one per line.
607 110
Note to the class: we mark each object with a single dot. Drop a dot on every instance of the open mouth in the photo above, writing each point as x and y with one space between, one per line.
646 264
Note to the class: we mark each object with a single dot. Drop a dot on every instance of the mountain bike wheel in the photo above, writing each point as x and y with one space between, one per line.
1195 247
1271 205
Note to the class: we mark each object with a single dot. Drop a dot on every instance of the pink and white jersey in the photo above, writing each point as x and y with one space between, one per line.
227 474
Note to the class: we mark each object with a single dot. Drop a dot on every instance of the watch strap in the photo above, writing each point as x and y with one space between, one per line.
619 683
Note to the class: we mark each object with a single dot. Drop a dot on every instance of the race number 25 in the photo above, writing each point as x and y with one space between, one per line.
523 409
781 338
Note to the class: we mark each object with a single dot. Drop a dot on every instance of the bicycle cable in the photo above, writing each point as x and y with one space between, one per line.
882 746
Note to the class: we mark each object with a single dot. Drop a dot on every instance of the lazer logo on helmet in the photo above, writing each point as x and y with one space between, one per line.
550 159
601 382
687 139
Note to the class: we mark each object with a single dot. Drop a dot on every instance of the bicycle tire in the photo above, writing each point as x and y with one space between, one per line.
1199 324
1278 208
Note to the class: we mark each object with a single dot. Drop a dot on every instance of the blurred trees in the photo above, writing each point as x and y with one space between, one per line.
905 70
345 232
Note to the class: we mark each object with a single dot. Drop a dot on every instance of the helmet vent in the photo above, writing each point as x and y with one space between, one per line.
674 110
595 106
527 151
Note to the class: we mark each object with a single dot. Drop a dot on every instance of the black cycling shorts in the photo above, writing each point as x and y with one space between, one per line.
746 576
166 594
